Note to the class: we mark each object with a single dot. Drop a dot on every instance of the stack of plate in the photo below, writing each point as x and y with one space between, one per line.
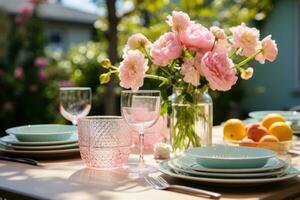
40 141
227 165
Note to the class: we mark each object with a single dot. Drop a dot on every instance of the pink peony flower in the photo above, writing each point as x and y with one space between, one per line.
41 62
179 21
269 50
218 32
247 73
222 46
137 41
219 70
19 73
42 75
197 37
132 70
191 72
166 48
245 38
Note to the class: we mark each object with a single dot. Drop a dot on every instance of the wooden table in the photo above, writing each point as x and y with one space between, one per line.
69 179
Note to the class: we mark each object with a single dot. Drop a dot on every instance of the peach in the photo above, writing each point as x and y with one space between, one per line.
256 131
248 142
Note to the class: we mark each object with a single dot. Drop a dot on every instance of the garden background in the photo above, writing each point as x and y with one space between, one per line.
33 67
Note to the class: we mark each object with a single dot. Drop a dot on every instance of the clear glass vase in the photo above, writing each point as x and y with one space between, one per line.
191 121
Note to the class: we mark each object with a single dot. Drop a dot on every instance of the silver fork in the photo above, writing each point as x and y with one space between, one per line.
159 183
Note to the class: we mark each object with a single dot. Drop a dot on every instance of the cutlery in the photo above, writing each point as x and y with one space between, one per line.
159 183
20 160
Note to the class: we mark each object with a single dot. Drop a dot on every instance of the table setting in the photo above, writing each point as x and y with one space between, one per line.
186 153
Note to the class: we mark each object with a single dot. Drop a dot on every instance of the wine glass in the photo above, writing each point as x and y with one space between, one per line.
140 110
75 102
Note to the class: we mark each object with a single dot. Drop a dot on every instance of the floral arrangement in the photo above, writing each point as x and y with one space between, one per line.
191 57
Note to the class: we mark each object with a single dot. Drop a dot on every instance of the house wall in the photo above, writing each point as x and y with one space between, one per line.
274 84
70 33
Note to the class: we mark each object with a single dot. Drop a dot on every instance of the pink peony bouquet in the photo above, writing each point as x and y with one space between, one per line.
192 52
191 56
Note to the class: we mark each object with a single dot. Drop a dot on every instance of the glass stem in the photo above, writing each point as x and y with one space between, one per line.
141 141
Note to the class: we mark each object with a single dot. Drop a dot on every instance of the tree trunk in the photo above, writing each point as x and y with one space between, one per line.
110 100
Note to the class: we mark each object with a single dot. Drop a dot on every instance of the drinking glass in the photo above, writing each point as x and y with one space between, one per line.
75 102
140 110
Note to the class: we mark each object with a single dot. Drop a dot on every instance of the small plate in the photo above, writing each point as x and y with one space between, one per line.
38 148
40 154
11 139
290 172
192 164
191 172
231 157
42 132
288 115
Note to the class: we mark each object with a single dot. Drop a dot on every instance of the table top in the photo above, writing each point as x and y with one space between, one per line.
69 179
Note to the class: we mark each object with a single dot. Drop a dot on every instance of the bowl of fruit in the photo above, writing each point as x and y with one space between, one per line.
272 132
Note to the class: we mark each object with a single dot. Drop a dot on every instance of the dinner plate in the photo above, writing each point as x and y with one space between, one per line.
290 172
41 153
42 132
191 163
11 139
288 115
191 172
37 148
231 157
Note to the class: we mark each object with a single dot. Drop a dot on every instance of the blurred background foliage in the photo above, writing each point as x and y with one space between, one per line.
29 91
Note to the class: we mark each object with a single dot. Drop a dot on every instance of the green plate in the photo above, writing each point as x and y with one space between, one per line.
289 173
42 132
191 172
230 157
12 140
288 115
191 163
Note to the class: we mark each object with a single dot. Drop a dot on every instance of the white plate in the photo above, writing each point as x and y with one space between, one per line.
178 169
44 147
11 139
290 173
41 154
191 163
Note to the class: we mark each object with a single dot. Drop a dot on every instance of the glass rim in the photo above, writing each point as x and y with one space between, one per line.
74 88
104 117
140 91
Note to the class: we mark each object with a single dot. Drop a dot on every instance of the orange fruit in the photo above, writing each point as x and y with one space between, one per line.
282 131
269 142
269 138
248 142
256 131
271 119
234 129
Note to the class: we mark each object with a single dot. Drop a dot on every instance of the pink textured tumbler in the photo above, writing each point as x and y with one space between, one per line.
104 141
